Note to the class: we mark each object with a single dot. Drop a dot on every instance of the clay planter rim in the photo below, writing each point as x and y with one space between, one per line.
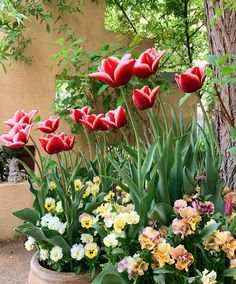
57 276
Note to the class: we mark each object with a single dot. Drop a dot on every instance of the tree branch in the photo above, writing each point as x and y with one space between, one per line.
125 14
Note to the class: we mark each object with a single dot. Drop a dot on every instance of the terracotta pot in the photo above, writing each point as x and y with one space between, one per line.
41 275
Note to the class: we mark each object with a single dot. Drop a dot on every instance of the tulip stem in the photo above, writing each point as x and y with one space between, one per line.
35 160
140 186
89 144
38 151
124 135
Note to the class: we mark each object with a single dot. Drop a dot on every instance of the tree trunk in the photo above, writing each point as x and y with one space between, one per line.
222 40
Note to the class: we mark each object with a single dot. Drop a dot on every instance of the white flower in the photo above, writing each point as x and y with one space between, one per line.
86 238
57 225
77 251
110 240
56 253
43 254
209 277
46 219
59 208
211 222
132 218
109 219
29 244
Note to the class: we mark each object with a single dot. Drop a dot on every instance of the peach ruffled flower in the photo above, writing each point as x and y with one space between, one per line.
149 238
183 258
161 255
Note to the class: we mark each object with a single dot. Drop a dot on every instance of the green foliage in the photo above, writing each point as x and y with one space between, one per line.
14 18
182 22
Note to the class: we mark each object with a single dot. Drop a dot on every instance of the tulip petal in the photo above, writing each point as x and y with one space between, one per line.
155 63
120 117
140 99
110 65
153 94
55 145
104 77
188 82
16 145
124 72
142 70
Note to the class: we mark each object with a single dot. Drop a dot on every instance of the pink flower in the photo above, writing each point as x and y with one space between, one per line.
50 125
228 207
125 264
69 141
52 143
115 118
145 98
17 137
94 122
179 204
178 227
204 208
115 72
21 117
147 63
192 80
77 114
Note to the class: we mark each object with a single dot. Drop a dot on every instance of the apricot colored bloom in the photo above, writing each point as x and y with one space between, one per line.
138 267
149 238
183 258
161 255
209 277
181 227
50 204
191 215
86 220
179 204
91 250
227 243
210 244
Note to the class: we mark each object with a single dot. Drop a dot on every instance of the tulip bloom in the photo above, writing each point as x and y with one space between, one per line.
52 143
21 117
115 72
94 122
50 125
77 114
68 140
192 80
116 118
17 137
147 63
145 97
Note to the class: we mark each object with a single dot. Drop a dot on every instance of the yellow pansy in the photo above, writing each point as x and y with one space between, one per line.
119 223
91 250
86 220
50 204
52 185
78 184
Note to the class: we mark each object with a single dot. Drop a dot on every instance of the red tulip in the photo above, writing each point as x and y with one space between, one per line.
94 122
52 143
116 118
21 117
50 125
115 72
145 97
68 140
147 63
77 114
17 137
192 80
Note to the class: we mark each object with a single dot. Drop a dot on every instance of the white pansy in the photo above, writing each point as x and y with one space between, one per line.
59 208
43 254
57 225
46 219
77 251
110 240
109 219
56 253
209 277
86 238
29 244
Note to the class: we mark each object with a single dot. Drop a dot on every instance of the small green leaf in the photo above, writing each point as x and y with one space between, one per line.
184 98
102 89
208 231
230 272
